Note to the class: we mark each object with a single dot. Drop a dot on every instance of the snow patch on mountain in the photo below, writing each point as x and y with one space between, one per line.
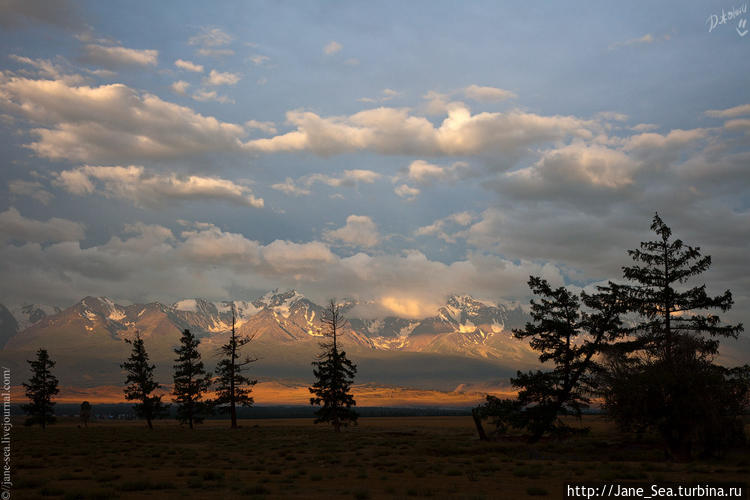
187 305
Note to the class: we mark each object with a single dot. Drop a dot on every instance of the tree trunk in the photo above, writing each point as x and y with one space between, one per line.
478 423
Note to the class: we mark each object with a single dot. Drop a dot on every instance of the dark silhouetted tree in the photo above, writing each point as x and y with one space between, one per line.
234 388
334 374
670 312
85 413
191 382
140 383
40 390
662 376
570 331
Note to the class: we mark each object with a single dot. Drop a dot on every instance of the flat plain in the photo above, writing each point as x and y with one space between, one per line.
404 457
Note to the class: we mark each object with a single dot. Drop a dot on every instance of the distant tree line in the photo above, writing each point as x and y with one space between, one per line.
646 348
334 374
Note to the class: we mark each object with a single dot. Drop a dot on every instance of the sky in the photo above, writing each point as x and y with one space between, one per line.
393 152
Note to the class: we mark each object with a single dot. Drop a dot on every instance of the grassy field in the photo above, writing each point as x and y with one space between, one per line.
407 457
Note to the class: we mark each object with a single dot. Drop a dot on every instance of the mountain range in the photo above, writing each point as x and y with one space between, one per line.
467 340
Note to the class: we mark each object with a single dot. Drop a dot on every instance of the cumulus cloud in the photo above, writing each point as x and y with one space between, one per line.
188 66
45 68
348 178
210 37
204 95
219 78
111 123
180 87
407 192
332 47
143 188
576 172
734 112
258 59
440 227
488 94
15 226
266 127
116 56
150 262
211 41
424 173
359 231
32 189
396 131
385 95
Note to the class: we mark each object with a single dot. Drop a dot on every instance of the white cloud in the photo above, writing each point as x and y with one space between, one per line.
143 188
734 112
259 59
332 47
211 37
396 131
644 127
111 123
45 68
188 66
385 95
290 187
150 262
180 87
115 56
204 95
32 189
488 94
440 226
266 127
348 178
219 78
425 173
15 226
359 231
404 191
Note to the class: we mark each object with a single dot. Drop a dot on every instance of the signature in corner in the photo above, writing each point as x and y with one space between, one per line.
741 27
716 20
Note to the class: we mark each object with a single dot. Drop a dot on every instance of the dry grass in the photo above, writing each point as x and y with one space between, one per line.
437 457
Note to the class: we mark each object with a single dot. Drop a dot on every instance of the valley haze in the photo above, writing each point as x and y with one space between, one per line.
450 359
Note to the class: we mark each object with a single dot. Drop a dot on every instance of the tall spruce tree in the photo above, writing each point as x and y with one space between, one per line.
40 390
663 375
671 313
569 331
140 383
335 374
191 382
234 388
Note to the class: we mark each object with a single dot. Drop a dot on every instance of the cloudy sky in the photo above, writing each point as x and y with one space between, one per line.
394 152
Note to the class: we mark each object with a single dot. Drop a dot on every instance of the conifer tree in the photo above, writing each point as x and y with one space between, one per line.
335 374
191 382
663 375
40 389
85 413
140 383
569 331
671 315
234 388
